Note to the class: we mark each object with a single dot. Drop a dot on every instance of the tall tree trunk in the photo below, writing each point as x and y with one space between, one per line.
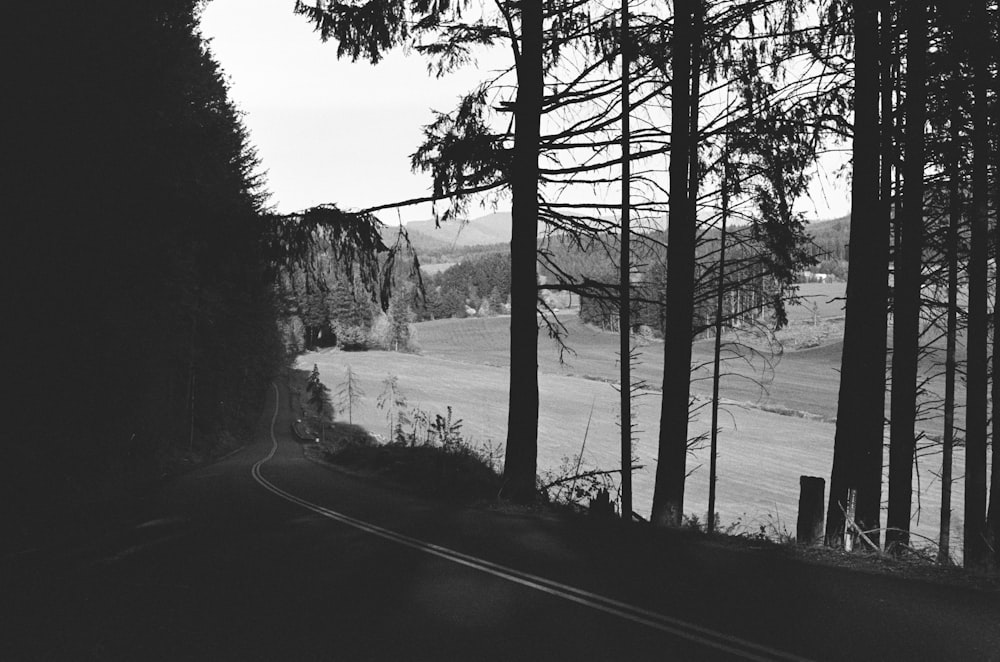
908 280
993 513
976 552
857 454
954 217
668 493
521 460
717 350
625 283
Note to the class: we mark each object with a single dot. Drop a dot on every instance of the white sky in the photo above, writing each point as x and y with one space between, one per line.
326 130
329 130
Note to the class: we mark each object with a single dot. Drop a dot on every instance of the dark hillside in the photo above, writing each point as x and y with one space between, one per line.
831 239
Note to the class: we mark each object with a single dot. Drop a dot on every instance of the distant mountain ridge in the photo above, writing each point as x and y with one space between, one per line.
493 228
456 240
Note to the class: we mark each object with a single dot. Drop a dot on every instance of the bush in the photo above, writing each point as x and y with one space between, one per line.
455 472
435 461
352 338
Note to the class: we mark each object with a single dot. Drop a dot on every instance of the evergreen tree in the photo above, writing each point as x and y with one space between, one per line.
140 189
319 397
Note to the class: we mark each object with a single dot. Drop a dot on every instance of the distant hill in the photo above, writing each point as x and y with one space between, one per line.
490 229
840 224
456 241
831 236
495 228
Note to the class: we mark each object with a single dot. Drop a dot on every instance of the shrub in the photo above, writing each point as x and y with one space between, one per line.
431 458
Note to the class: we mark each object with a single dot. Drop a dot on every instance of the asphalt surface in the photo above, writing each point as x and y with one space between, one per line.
268 556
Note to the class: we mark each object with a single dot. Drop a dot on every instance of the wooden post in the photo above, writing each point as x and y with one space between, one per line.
852 504
812 497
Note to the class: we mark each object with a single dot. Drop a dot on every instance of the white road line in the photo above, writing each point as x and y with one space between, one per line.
718 640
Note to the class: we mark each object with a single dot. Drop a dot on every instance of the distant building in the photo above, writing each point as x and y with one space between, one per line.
815 277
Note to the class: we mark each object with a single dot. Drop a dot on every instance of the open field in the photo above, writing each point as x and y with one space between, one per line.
762 454
808 379
826 300
803 380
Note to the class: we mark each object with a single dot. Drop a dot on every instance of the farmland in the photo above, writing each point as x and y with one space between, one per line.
463 364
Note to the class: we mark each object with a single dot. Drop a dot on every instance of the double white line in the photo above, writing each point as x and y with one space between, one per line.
676 627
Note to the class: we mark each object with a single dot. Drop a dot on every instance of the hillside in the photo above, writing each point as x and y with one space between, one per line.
490 229
455 241
495 228
831 237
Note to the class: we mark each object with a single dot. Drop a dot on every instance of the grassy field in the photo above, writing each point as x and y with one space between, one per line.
762 454
808 379
803 380
824 300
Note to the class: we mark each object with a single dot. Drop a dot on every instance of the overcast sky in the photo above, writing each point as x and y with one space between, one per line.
341 132
326 130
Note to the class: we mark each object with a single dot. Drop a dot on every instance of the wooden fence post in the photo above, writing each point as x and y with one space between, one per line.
809 526
852 503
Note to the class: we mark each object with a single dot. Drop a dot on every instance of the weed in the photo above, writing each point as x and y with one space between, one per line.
767 528
572 484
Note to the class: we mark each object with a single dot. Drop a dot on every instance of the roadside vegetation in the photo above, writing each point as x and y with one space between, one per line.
422 452
769 435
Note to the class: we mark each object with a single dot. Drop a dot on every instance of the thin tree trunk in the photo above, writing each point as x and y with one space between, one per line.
993 513
976 552
521 459
719 298
857 456
625 284
908 281
668 493
954 215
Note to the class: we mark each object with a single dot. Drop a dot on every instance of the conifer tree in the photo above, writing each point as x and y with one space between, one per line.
857 459
319 397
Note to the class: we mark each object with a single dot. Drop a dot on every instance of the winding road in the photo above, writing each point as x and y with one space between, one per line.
268 556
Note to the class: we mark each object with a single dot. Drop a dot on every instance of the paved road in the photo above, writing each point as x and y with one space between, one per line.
267 556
